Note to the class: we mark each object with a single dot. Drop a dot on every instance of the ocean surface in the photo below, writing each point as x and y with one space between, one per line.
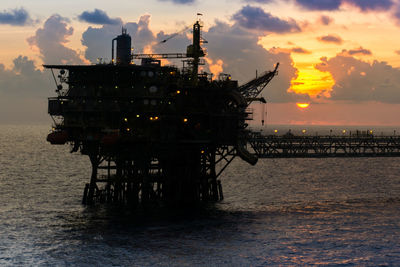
281 212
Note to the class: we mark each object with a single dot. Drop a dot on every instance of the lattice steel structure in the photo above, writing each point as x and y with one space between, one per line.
323 146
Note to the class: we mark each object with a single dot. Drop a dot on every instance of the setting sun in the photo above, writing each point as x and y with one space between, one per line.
303 105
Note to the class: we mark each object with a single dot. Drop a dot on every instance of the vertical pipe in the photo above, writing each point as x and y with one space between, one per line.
112 50
93 180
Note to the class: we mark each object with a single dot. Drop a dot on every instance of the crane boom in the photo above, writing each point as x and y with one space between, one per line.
253 88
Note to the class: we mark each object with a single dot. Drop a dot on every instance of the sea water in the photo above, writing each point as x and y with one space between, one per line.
333 211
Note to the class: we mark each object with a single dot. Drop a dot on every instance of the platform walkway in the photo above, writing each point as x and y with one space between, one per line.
291 146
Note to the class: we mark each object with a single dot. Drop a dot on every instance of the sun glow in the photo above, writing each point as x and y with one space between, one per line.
303 105
312 82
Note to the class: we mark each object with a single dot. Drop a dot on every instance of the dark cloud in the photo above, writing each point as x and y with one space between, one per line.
363 5
319 4
255 18
325 20
51 41
98 17
260 1
98 40
357 80
300 50
370 5
16 17
358 51
184 2
330 39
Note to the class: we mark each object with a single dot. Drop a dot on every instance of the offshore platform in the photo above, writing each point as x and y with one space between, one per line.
153 133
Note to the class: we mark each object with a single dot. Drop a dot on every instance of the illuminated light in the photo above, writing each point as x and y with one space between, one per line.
156 118
172 73
62 102
344 131
303 131
303 105
126 119
131 101
116 87
53 129
137 116
202 152
185 120
151 118
275 131
127 129
178 92
169 102
371 132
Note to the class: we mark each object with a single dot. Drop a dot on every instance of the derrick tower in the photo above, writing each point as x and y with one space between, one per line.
153 133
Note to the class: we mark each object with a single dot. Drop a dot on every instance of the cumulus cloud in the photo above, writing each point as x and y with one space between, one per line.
256 18
23 92
98 17
330 5
51 41
15 17
98 40
241 55
330 38
358 80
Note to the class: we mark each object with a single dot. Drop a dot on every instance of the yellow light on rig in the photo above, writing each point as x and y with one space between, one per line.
344 131
185 120
202 152
156 118
128 129
275 131
125 119
371 132
178 92
151 118
303 131
137 116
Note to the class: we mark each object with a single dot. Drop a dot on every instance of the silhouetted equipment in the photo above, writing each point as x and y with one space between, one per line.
124 43
153 133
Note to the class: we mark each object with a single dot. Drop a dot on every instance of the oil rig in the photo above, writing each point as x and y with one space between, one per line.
153 133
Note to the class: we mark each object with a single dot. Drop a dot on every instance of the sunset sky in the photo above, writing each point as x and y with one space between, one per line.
342 57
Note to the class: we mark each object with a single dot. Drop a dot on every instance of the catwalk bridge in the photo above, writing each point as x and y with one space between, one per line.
293 146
